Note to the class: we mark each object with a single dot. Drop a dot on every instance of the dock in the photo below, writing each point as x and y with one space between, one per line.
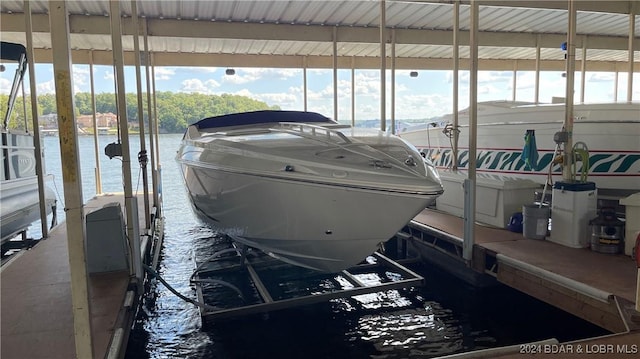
36 310
599 288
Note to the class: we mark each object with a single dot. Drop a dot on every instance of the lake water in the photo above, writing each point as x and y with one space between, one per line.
444 316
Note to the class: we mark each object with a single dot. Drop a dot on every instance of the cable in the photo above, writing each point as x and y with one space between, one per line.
155 274
55 186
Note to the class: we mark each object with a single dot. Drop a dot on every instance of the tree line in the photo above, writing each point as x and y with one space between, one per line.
175 110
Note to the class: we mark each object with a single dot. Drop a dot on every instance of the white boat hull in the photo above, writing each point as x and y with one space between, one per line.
20 205
317 196
322 227
610 131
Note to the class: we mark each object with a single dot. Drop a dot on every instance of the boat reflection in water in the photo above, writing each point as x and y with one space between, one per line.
303 188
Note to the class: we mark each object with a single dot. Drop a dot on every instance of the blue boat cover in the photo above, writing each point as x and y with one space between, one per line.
11 51
257 117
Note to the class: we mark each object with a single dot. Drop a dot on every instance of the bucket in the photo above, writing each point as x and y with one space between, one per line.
547 197
607 232
536 221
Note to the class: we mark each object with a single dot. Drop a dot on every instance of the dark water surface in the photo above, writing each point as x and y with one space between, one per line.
445 316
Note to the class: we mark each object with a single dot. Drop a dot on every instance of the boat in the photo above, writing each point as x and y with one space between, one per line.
607 134
19 195
303 188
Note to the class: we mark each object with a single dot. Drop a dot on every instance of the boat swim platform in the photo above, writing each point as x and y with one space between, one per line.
599 288
250 282
36 310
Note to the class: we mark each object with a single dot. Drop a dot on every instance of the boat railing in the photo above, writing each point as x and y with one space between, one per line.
315 132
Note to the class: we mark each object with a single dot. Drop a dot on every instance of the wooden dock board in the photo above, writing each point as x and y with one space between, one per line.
36 316
615 274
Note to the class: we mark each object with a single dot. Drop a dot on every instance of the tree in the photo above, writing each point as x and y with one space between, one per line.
47 104
175 110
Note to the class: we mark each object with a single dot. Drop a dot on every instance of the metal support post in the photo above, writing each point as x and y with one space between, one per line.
72 178
568 119
383 66
470 183
34 114
118 60
456 69
142 157
335 73
96 145
393 81
152 143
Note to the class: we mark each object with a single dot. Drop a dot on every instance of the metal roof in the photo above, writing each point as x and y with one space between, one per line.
281 33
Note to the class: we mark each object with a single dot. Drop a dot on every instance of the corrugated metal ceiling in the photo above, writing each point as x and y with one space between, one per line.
344 14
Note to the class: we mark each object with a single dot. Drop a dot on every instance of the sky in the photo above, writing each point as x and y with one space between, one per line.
426 96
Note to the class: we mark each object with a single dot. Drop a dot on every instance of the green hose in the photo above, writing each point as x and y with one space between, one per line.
581 153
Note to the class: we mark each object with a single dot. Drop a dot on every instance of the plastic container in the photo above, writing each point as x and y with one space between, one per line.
607 232
536 221
515 222
574 204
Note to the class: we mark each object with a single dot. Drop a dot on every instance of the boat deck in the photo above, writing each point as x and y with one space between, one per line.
600 288
615 274
37 320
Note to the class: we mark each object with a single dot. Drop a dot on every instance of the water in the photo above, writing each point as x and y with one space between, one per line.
445 316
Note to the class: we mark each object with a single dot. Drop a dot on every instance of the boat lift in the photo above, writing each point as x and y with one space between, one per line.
240 281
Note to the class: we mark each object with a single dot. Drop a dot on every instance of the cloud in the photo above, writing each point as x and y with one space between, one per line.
5 86
483 77
46 87
601 77
209 70
525 80
108 75
248 75
239 79
368 83
322 95
286 100
80 78
164 73
419 106
197 85
320 72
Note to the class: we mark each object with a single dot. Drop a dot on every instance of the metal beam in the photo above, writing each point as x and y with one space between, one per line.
96 146
334 66
631 47
570 75
152 143
611 6
470 182
304 83
455 55
132 233
143 147
353 92
393 81
383 66
537 86
98 28
72 180
34 116
344 62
